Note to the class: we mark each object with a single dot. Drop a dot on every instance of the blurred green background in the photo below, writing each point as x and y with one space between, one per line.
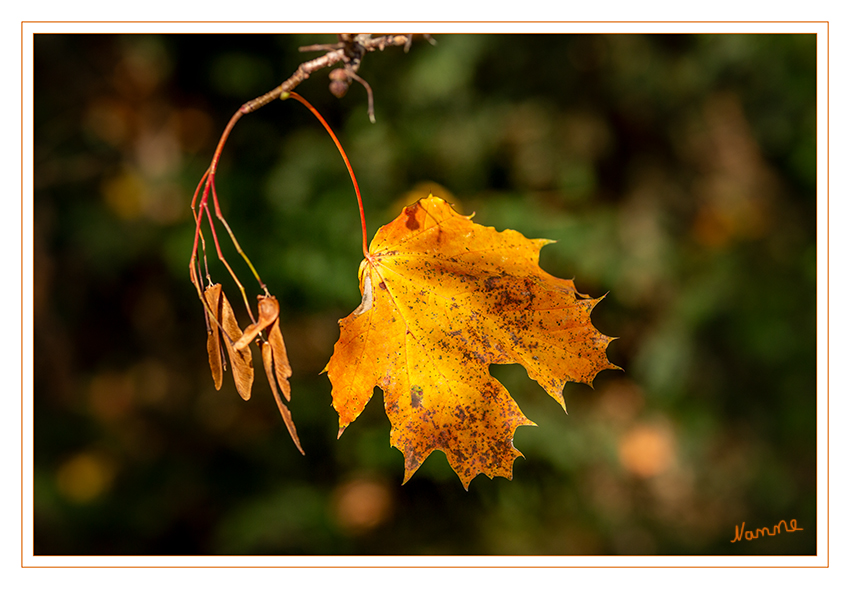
677 174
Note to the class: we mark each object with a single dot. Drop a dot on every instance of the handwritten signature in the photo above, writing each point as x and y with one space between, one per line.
761 532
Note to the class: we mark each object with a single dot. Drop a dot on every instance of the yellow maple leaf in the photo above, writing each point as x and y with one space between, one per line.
443 298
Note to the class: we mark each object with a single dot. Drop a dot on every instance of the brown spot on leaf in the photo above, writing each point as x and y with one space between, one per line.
415 396
411 222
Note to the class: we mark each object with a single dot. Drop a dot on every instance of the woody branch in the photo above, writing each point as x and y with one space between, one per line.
349 50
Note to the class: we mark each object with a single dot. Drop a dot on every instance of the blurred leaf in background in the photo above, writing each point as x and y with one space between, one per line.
677 173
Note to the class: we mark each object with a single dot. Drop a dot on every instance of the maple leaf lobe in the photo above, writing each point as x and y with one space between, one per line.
443 298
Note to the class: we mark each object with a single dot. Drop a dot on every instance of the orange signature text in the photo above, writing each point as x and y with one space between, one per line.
761 532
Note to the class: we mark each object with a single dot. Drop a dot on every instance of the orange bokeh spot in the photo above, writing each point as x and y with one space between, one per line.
362 504
647 450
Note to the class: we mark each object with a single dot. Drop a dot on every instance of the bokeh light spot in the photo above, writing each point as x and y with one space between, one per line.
123 195
647 450
362 504
84 477
111 396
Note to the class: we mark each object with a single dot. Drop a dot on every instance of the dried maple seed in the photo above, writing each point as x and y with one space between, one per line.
214 351
268 364
240 360
282 368
269 310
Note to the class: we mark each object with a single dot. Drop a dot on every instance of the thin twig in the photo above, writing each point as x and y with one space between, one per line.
349 50
328 59
371 101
